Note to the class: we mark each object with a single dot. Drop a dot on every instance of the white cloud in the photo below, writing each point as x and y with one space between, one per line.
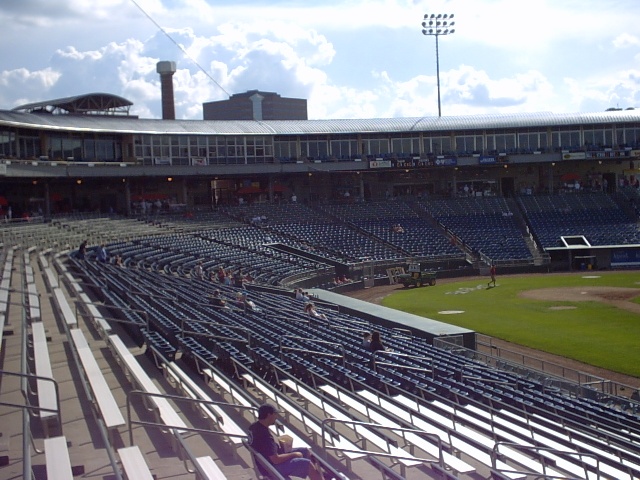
350 59
625 40
21 86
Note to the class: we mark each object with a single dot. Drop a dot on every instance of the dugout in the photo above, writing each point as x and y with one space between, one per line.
601 257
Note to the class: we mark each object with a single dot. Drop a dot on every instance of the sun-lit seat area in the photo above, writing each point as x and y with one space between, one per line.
167 381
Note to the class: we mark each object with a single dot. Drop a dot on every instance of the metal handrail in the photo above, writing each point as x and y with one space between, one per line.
312 340
377 426
495 456
178 430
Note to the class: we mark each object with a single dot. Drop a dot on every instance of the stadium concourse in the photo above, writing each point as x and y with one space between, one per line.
127 370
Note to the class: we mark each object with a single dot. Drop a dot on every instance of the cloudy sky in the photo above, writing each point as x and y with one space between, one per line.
349 58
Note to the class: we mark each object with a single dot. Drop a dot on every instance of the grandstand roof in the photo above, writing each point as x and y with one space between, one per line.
133 125
87 104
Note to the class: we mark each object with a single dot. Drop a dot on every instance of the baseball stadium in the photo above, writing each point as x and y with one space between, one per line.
165 278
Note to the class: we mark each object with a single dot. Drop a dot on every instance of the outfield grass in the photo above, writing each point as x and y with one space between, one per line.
592 332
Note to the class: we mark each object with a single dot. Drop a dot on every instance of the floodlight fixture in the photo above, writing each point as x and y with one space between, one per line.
436 25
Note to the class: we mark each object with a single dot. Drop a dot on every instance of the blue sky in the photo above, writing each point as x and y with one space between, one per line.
350 59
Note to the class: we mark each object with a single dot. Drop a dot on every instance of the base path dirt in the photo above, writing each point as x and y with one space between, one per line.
616 296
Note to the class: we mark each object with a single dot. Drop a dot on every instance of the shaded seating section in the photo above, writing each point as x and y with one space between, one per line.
278 224
595 216
323 234
415 235
470 406
486 225
179 253
628 197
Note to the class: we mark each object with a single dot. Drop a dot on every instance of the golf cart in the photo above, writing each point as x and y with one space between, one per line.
418 276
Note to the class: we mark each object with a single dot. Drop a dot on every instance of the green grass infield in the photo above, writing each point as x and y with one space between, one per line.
592 331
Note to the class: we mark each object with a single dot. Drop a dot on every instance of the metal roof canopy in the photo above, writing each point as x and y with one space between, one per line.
373 126
592 247
88 104
575 241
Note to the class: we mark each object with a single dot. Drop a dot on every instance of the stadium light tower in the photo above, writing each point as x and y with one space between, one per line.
435 25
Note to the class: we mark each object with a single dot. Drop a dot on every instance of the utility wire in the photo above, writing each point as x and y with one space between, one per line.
180 47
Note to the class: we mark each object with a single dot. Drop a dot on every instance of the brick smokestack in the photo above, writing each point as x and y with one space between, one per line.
166 71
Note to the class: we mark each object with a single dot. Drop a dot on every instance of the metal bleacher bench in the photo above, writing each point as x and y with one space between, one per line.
58 463
133 463
404 458
99 321
430 448
141 379
34 302
210 469
72 284
166 412
64 308
102 394
217 416
458 441
224 385
47 398
51 277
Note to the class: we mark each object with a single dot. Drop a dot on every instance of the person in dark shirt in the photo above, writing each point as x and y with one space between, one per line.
82 251
376 344
296 463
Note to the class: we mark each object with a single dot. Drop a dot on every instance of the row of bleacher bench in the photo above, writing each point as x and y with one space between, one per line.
46 402
448 383
231 351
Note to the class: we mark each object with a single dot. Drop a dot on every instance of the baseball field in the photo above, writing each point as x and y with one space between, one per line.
592 317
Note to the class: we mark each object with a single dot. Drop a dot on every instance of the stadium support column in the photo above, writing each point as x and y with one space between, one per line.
47 201
185 192
127 197
435 25
454 182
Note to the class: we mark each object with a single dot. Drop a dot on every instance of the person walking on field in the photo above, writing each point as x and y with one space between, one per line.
492 272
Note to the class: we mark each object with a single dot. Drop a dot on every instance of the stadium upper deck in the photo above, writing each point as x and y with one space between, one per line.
193 163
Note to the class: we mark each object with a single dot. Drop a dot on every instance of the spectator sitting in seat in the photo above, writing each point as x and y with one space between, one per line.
243 302
295 463
366 340
218 300
238 279
300 295
376 343
310 309
198 271
102 254
221 275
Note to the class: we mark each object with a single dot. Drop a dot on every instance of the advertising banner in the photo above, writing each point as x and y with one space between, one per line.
625 257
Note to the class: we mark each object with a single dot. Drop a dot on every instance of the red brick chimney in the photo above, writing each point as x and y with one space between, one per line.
166 71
